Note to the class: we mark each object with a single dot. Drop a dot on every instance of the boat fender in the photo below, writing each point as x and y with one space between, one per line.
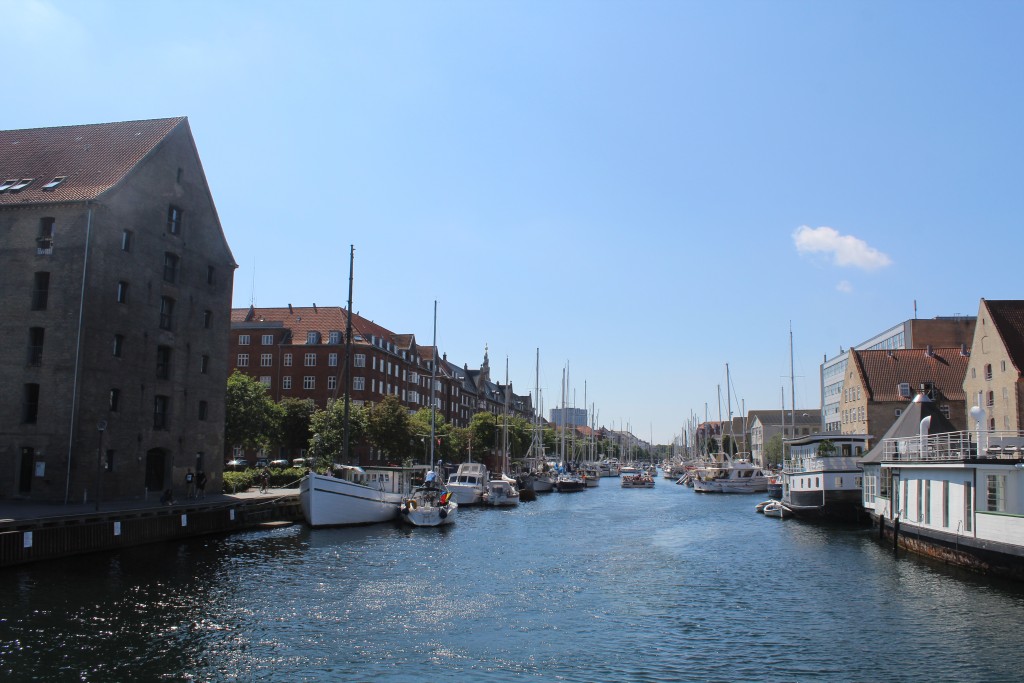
443 514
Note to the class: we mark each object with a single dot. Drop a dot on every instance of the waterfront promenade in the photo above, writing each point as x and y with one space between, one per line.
33 531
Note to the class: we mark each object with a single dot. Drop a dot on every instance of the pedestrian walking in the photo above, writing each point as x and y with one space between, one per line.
190 484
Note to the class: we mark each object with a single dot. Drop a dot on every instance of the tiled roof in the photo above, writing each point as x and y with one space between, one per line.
1008 317
92 158
884 370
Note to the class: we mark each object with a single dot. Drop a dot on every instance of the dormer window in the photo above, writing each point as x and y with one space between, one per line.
8 184
905 389
20 185
312 337
334 337
52 185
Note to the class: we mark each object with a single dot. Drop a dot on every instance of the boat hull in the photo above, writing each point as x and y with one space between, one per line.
430 515
329 501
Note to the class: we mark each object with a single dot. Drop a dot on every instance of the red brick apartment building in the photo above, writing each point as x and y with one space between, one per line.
299 352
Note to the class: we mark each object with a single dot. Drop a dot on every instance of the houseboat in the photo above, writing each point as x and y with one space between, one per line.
821 475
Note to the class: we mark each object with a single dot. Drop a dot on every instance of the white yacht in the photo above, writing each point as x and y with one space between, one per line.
501 492
468 484
731 476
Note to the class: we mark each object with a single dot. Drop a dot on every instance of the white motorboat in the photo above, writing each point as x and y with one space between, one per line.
739 476
355 495
592 477
468 484
429 505
501 492
640 480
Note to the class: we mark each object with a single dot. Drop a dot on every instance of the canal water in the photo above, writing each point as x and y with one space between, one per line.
603 585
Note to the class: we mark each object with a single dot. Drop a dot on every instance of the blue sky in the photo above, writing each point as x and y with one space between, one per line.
644 190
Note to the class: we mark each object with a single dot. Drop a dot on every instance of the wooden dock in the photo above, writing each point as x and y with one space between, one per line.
35 533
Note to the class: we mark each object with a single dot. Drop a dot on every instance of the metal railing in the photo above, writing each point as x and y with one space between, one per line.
955 446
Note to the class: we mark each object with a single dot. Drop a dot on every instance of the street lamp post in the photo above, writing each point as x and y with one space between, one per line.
100 427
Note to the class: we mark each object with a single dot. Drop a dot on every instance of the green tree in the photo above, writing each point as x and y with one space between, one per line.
251 418
773 451
326 445
419 424
826 448
295 423
388 428
483 429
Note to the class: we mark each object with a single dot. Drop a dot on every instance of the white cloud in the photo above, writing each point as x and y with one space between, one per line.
846 250
844 286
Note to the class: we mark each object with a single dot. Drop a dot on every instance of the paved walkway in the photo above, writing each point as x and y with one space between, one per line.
25 510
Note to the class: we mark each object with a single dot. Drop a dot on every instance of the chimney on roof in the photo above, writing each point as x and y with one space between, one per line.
250 313
290 311
314 307
889 353
964 352
929 352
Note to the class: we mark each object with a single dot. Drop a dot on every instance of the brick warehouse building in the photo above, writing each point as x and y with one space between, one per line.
299 352
115 296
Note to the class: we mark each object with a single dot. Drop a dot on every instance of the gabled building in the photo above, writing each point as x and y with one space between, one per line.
765 424
916 333
115 296
994 380
880 383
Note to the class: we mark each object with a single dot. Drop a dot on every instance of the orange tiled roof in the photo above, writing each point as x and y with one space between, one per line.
1008 317
884 370
92 158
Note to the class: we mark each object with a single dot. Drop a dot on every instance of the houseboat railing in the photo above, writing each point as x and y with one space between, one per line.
955 446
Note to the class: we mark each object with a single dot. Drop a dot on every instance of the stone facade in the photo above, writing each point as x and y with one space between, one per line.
115 296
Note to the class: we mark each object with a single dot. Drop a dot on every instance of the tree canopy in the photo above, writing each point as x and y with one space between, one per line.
389 428
251 418
328 430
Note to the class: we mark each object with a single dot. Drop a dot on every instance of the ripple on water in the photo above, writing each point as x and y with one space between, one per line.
605 585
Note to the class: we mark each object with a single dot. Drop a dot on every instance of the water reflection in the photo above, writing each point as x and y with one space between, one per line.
610 584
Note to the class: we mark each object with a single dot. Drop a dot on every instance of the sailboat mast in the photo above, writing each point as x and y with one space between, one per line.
433 386
504 430
348 356
792 388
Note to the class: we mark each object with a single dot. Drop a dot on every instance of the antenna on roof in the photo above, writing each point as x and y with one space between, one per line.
252 291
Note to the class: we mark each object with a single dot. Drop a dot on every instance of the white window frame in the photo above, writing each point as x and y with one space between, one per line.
332 360
267 340
309 360
286 382
243 360
266 360
358 384
287 360
332 382
359 360
244 339
309 382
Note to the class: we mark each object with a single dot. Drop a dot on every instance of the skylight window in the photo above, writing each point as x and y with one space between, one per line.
21 184
8 184
49 187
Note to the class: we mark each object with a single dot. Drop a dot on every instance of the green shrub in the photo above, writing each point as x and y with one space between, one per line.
237 482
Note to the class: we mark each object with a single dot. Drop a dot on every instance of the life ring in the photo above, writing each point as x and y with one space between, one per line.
413 504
